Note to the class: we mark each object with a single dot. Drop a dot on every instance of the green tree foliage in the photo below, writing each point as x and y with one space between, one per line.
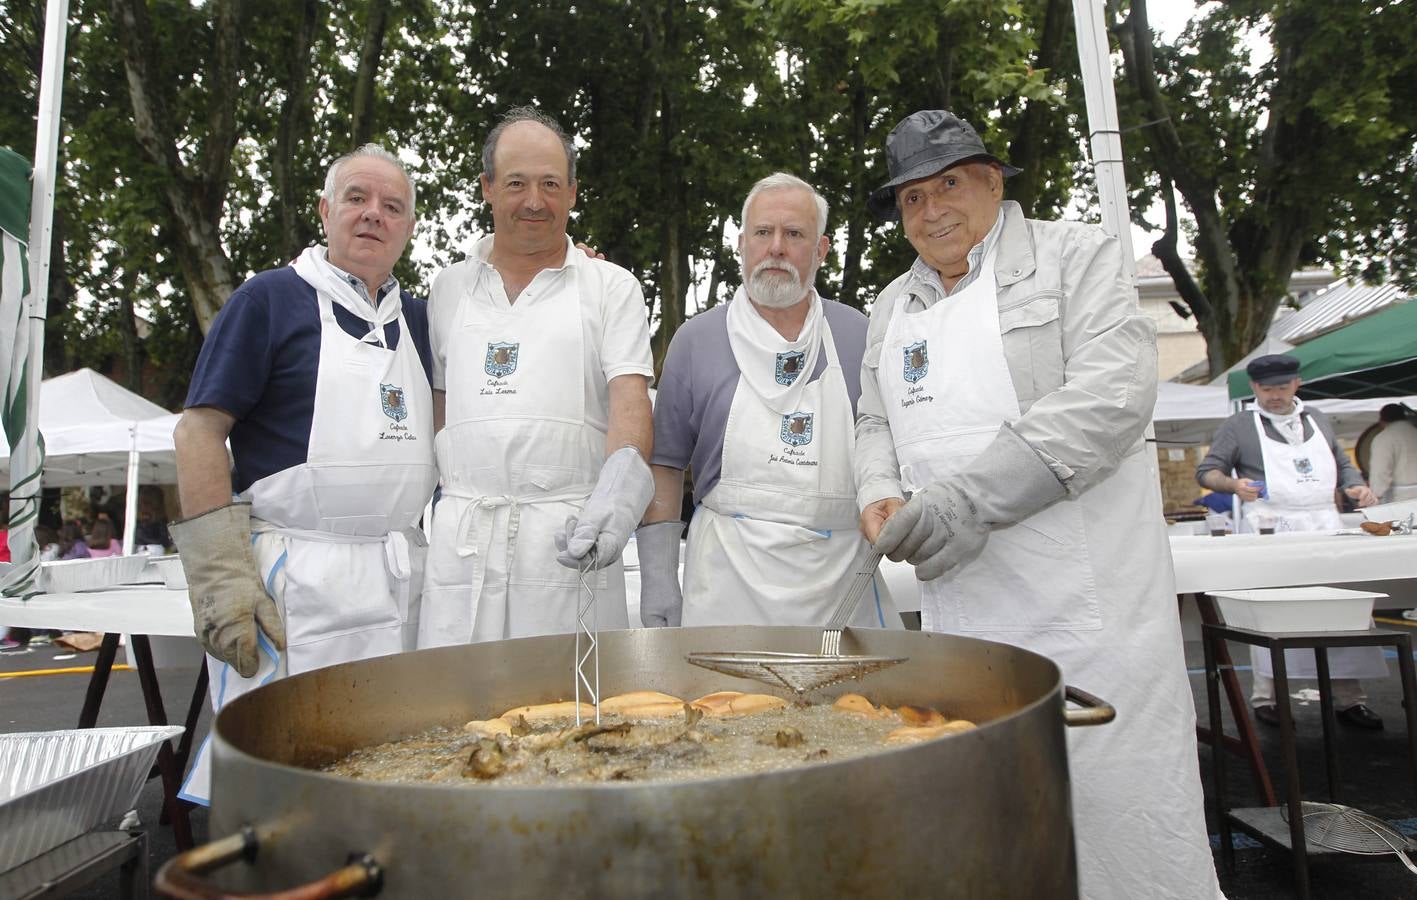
1306 156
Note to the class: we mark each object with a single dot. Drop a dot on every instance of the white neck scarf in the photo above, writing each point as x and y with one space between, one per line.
314 267
766 359
1289 424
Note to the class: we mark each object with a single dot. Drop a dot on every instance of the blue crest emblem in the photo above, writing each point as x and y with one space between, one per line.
917 362
501 359
1304 466
796 429
789 366
391 396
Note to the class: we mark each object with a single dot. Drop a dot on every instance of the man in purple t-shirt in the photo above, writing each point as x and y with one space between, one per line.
758 398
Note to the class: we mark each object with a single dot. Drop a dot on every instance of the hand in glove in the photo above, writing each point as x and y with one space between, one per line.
612 511
939 528
228 599
661 598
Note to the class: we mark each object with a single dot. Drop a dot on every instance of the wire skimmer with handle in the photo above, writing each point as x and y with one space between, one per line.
1334 826
803 672
587 664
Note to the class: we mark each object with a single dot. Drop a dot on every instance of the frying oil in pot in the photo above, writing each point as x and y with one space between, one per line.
686 747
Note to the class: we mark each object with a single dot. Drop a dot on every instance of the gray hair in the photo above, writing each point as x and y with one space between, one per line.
528 114
779 181
377 152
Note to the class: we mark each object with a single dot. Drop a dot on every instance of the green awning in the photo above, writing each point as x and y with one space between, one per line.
1375 356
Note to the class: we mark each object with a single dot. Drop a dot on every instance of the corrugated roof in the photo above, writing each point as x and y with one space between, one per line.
1336 305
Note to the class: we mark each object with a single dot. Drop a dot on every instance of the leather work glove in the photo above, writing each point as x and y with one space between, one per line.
661 598
939 528
612 511
228 599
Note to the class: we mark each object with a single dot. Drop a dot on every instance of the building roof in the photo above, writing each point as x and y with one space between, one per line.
1336 305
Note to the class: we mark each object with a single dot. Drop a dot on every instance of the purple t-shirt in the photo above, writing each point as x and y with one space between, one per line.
701 376
260 361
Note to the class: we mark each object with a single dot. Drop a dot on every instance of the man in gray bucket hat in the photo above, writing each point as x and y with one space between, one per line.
1008 379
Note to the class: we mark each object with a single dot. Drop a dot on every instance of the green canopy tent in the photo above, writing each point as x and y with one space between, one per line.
1375 356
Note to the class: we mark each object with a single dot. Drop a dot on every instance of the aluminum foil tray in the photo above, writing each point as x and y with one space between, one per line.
56 785
73 575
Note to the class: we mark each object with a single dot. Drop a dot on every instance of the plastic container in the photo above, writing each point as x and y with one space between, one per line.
1289 610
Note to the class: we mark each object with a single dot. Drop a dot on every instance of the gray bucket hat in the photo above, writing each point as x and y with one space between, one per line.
922 144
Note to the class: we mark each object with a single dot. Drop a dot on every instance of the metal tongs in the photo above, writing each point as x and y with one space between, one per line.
803 672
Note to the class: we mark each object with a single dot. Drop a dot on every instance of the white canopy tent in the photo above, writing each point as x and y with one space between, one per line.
97 432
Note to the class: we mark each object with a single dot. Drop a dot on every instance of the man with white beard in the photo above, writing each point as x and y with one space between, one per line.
758 400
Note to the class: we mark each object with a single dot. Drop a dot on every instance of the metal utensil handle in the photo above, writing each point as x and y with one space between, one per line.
847 608
1095 711
180 877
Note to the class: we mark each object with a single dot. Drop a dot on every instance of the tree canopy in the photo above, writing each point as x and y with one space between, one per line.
196 136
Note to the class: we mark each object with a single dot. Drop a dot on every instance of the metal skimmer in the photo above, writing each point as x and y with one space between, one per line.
1337 827
587 665
803 672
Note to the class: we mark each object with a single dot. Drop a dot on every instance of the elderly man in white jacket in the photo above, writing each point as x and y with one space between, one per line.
1008 379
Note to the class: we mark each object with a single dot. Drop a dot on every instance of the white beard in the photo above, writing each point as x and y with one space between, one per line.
776 290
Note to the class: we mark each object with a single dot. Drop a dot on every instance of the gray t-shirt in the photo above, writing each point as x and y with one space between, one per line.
1237 446
700 378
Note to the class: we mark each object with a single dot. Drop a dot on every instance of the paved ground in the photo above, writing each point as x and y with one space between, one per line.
1377 774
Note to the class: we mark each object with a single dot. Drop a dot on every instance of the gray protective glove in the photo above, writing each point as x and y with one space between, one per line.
228 599
661 598
612 511
938 529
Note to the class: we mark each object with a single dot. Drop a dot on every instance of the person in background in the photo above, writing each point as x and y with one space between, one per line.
1392 456
71 542
47 539
1008 381
758 398
1293 451
152 519
102 541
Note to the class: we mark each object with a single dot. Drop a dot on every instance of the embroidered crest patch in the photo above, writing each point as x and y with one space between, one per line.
391 395
796 429
501 359
917 362
1303 465
789 366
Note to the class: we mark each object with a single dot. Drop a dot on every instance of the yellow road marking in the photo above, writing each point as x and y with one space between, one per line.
77 670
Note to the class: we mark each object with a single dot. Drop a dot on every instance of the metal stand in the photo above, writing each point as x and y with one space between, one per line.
170 764
1268 823
78 863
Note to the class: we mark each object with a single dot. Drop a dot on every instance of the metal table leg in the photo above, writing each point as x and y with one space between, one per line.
1294 801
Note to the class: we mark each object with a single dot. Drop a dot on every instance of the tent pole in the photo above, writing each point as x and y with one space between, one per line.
26 460
1105 136
130 500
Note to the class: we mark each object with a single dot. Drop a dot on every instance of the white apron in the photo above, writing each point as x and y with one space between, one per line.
1300 480
335 539
947 390
777 542
516 457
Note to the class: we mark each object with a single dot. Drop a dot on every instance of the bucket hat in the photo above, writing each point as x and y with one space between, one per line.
922 144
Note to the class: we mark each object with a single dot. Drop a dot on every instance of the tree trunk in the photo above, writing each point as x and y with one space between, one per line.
856 210
193 201
1026 152
128 331
295 228
361 125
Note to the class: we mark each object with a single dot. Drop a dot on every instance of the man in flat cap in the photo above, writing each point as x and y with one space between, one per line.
1283 462
1008 379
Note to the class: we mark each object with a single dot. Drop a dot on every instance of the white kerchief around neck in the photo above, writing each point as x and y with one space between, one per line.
1289 424
314 266
756 345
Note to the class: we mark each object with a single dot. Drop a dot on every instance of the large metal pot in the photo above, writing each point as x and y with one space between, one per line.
981 814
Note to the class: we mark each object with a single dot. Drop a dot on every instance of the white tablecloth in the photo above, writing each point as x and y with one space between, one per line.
137 609
1243 561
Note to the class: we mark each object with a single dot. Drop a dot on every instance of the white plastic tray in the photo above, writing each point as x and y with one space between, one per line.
1289 610
56 785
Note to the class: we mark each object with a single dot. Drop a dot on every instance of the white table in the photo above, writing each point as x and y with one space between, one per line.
1244 561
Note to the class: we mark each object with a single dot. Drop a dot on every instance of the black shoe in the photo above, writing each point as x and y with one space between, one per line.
1267 713
1360 716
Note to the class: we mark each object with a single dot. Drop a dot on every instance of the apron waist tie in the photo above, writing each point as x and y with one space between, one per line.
468 538
396 543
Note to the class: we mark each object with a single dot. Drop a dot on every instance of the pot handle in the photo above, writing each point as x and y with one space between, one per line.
1095 711
179 878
